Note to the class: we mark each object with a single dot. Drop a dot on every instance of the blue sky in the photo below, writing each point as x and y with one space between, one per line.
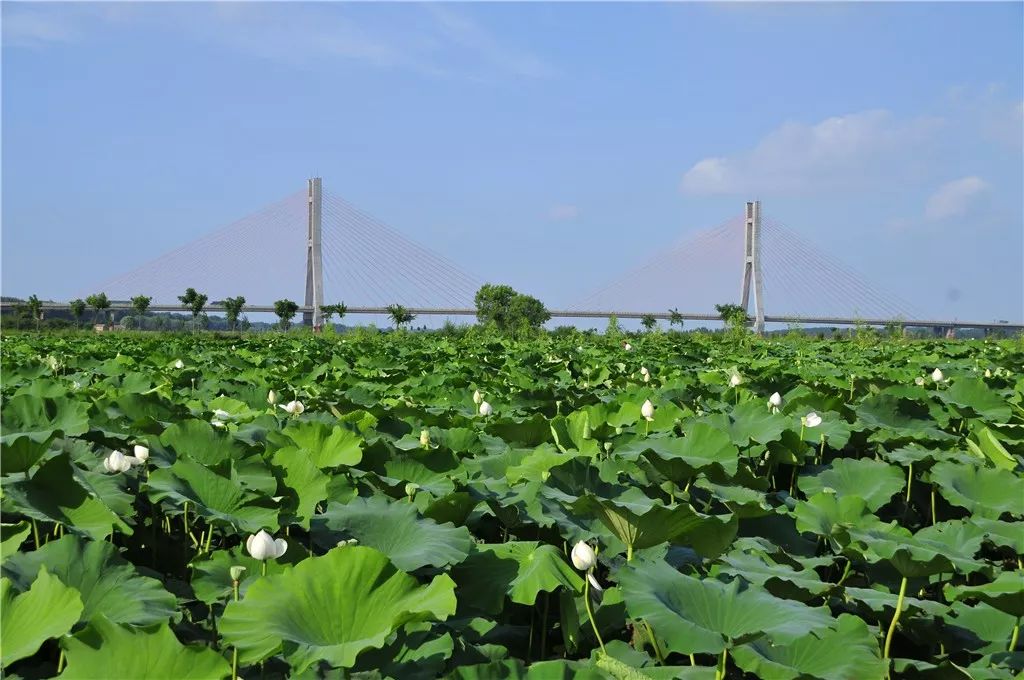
549 146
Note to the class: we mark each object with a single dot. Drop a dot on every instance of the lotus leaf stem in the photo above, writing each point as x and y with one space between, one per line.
720 669
35 533
895 620
234 650
910 473
654 643
61 660
544 629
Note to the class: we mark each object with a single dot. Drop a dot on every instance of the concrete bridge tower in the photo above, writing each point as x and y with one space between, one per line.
752 263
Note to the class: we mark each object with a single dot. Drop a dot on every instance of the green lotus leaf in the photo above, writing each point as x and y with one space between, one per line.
418 654
847 651
108 583
708 616
1001 533
1006 593
536 466
992 629
105 649
20 453
890 418
46 610
434 474
396 529
972 394
826 514
328 446
985 492
680 458
752 422
911 555
38 418
54 495
984 443
212 496
197 440
11 538
873 480
303 482
331 608
519 569
883 602
211 573
780 580
640 522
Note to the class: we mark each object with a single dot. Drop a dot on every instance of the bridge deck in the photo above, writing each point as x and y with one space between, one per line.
584 314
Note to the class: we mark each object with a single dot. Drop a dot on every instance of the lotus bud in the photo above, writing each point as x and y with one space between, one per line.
117 462
775 400
812 419
179 364
411 488
583 556
919 381
425 438
937 375
628 347
293 408
272 397
644 371
647 410
608 447
477 397
988 373
262 546
486 409
236 572
735 379
618 429
141 452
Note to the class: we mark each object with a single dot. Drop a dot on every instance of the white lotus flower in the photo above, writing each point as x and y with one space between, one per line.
647 377
117 462
486 409
593 581
179 364
293 408
583 556
216 422
477 397
937 375
628 347
424 438
141 452
812 419
735 379
647 410
236 572
644 371
75 385
919 381
271 397
221 414
774 402
988 373
262 546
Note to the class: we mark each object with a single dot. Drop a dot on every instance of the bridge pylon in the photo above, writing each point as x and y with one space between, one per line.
752 263
314 254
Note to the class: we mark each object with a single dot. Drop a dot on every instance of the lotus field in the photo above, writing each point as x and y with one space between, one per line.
413 505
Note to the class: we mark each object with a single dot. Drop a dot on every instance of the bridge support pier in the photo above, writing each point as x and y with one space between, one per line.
752 263
314 255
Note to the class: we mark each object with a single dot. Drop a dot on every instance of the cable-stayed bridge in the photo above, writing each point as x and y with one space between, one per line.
316 247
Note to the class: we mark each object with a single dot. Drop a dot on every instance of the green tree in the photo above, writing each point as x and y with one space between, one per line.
507 309
99 302
400 315
648 322
193 301
35 309
734 316
341 309
285 310
675 318
77 307
232 308
140 303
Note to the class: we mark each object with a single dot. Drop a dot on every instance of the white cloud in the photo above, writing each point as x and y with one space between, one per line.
563 213
954 198
797 157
